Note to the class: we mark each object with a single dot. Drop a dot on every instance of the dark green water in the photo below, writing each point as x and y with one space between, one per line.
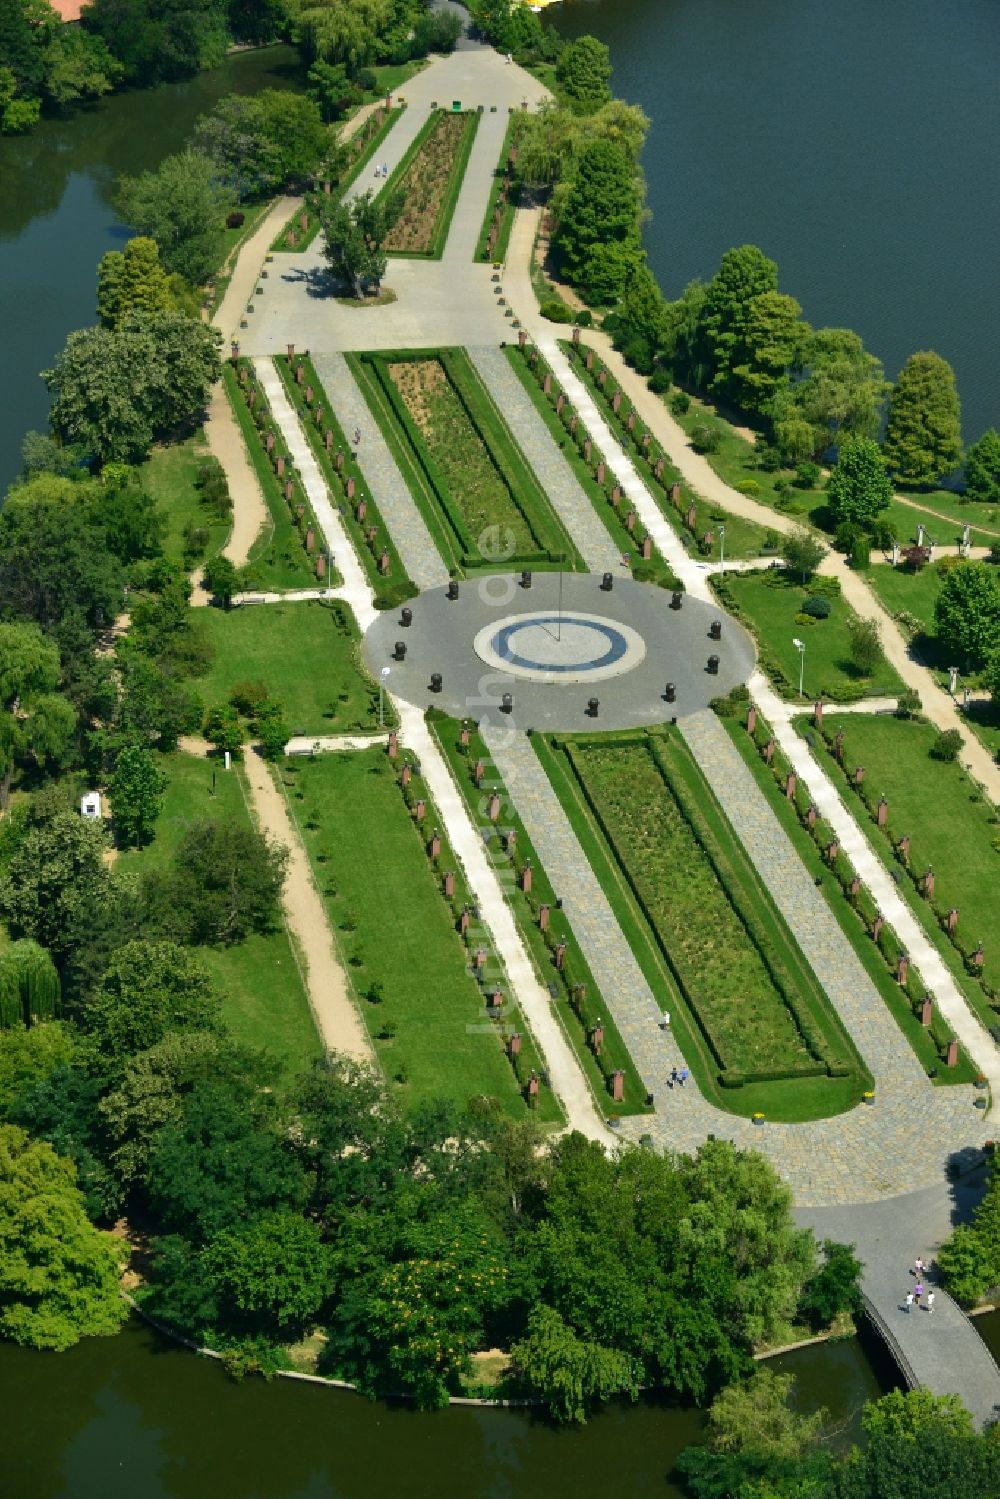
855 141
134 1417
56 220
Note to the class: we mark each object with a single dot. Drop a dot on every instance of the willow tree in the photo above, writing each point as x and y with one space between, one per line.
29 985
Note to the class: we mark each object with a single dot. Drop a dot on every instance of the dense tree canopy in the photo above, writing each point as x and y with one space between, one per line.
598 237
131 282
45 63
967 611
150 989
584 74
743 275
859 488
982 469
159 40
263 142
182 206
923 433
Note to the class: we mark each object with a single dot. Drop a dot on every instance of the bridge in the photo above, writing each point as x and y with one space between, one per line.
939 1351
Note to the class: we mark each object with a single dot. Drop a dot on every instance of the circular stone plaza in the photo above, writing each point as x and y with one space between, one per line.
559 651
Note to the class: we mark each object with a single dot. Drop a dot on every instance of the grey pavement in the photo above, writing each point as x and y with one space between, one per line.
412 539
536 443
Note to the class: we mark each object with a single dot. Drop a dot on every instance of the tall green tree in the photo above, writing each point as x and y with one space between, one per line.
859 488
758 1446
769 350
36 723
923 433
568 1373
744 274
602 215
160 40
29 1056
131 281
136 790
57 882
967 611
840 395
58 1275
183 206
982 469
273 1276
262 142
149 989
584 74
225 883
29 984
55 564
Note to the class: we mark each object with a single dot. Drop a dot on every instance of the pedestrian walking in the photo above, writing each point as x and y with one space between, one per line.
683 1076
357 436
665 1022
918 1267
930 1301
673 1076
918 1291
909 1301
385 169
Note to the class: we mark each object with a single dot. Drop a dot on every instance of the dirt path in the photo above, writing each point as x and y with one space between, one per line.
326 983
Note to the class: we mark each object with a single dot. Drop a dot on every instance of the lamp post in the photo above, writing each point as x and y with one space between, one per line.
800 646
382 677
722 549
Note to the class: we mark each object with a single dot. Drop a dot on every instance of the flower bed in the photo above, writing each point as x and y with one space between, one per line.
429 178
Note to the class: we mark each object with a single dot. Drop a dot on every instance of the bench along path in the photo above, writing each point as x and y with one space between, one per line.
406 525
901 1141
551 468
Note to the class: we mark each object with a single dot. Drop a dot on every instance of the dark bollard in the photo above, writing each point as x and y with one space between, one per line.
671 693
453 589
593 706
399 654
436 681
607 583
676 599
507 703
715 629
406 618
526 577
713 666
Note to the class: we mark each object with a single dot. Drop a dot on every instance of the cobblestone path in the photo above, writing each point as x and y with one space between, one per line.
553 472
901 1142
410 535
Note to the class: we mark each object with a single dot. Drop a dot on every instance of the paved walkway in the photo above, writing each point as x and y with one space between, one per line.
308 744
293 596
412 539
554 473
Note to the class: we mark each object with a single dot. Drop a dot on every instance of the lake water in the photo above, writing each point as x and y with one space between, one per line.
135 1417
855 141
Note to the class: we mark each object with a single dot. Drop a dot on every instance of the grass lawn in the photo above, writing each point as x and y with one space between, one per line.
263 1000
983 718
945 502
848 919
277 557
500 186
577 1017
429 177
308 654
768 602
952 827
168 475
787 1099
904 592
396 930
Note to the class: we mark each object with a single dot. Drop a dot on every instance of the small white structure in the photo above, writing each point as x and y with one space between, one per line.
90 805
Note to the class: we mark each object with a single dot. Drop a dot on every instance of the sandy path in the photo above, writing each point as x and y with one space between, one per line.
326 984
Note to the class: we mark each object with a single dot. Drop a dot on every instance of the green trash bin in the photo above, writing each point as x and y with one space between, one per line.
456 105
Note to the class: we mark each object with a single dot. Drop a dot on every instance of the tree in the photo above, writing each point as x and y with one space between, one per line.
354 32
272 1276
115 390
602 210
923 433
136 790
131 281
744 274
991 674
54 563
221 579
967 611
226 882
982 469
331 88
29 1056
970 1258
33 721
224 730
934 1460
353 234
639 320
584 74
840 394
757 1445
859 488
29 984
78 66
56 882
183 206
866 644
803 552
767 351
58 1275
262 142
149 989
909 1413
272 729
568 1374
834 1287
160 40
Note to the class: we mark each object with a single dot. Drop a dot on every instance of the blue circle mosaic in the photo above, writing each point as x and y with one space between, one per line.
614 641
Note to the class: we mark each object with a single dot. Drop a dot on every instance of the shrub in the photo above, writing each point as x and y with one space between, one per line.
805 619
947 745
585 318
749 487
366 80
235 219
705 439
861 554
246 697
768 458
845 535
818 606
680 403
556 311
807 475
908 703
659 383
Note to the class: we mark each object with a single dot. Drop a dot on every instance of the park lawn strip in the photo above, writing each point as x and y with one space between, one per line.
951 824
576 1020
396 586
768 603
368 143
430 179
397 931
308 655
501 187
787 1100
465 470
168 476
848 918
657 570
277 558
903 591
263 997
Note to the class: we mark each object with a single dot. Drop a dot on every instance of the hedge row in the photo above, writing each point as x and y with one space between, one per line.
370 535
499 218
288 486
